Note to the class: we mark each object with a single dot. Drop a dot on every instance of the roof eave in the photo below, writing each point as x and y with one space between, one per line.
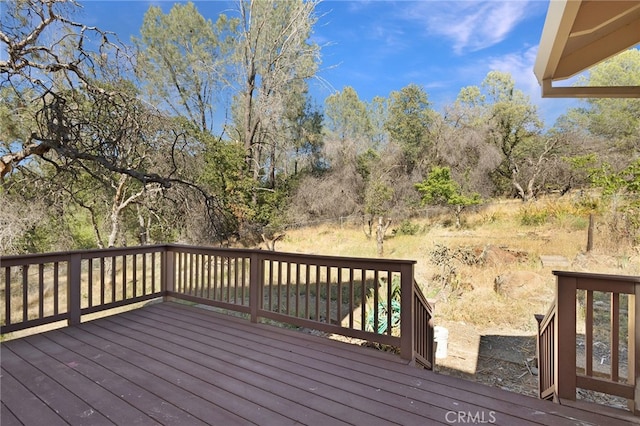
549 91
577 35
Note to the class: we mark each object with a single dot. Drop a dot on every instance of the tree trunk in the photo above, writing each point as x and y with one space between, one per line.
143 231
116 207
590 233
458 213
271 242
382 229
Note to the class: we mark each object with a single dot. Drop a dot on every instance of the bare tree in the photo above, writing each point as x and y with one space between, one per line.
17 216
534 168
83 115
275 59
80 114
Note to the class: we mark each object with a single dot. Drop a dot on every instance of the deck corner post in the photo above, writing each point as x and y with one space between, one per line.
256 278
74 276
565 335
168 273
407 313
634 349
539 318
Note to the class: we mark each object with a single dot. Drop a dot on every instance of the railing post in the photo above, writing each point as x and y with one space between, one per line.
431 335
565 335
255 284
74 276
634 349
541 371
168 273
407 313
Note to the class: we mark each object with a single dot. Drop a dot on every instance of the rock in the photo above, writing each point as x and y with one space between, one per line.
554 261
497 256
511 283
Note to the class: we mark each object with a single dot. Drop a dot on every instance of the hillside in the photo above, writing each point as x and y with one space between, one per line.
487 278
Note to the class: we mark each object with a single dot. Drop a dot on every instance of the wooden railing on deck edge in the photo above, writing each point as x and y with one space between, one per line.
559 376
348 296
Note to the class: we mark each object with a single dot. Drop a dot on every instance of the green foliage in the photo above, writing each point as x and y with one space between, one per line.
377 197
531 216
306 135
581 162
615 119
60 230
382 309
366 161
611 182
271 204
410 117
622 191
440 189
39 239
347 116
81 231
511 122
407 228
183 60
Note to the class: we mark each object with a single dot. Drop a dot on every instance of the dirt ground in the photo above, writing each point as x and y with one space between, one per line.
496 357
501 358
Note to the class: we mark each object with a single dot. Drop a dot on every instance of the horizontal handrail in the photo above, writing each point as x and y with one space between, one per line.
371 299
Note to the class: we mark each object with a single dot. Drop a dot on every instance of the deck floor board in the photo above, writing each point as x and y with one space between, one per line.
305 383
174 364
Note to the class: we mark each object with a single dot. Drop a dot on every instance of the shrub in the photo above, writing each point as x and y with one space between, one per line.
382 308
532 216
406 228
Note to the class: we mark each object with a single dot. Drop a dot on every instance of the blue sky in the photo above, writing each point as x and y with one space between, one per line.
378 47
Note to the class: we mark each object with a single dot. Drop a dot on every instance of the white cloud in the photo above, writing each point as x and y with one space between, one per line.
520 66
471 26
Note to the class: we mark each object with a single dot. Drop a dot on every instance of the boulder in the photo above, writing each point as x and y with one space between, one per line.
497 256
513 282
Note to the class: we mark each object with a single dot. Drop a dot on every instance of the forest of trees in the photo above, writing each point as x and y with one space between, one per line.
204 132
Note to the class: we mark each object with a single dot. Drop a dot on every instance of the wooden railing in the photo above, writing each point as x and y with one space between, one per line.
561 371
372 299
424 348
44 288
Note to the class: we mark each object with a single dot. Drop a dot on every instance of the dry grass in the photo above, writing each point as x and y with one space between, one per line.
470 297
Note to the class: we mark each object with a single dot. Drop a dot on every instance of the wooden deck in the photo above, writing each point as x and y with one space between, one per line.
171 363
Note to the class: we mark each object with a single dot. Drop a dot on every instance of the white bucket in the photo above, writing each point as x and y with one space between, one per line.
441 338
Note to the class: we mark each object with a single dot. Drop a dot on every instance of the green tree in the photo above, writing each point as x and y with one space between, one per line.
409 120
183 61
379 114
514 124
305 134
614 118
347 117
511 124
605 131
622 190
440 189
